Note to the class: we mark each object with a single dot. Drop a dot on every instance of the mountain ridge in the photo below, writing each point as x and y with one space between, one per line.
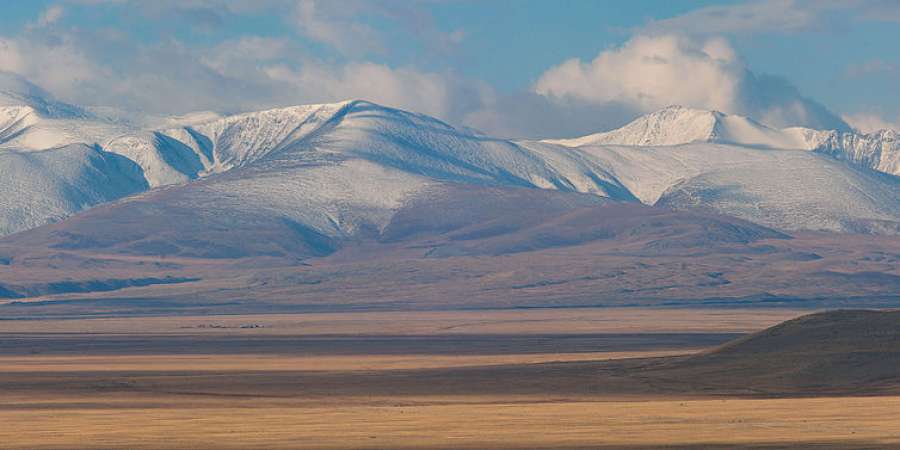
341 165
678 125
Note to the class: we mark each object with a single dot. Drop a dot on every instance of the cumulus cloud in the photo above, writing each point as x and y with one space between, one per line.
108 67
245 73
254 72
651 72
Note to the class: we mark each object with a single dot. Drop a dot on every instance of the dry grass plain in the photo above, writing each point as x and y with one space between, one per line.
480 379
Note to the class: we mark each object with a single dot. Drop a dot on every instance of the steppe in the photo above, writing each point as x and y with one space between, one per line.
534 378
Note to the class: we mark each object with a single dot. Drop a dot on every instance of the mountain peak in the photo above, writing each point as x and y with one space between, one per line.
678 125
672 125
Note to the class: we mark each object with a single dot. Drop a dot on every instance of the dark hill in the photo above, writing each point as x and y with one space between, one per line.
844 350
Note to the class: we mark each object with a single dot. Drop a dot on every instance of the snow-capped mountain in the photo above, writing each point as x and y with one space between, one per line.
47 186
344 169
349 158
789 190
677 125
879 150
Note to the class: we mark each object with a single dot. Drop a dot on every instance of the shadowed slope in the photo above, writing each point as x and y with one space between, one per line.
447 246
844 350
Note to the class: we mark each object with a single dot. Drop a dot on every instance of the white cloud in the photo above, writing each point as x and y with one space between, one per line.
10 56
336 25
753 16
407 88
248 53
651 72
107 67
59 66
50 16
777 16
868 123
245 73
253 72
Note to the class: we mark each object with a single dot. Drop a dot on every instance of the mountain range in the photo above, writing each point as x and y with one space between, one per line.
677 125
346 187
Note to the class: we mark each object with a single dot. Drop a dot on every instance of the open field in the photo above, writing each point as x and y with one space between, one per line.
499 321
541 422
589 378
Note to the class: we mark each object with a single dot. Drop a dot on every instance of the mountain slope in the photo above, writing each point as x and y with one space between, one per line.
16 91
340 168
677 125
50 185
361 158
789 190
846 350
344 169
342 142
445 246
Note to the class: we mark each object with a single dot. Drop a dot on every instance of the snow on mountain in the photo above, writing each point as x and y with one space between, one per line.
879 150
334 162
677 125
347 168
17 91
47 186
790 190
31 119
342 169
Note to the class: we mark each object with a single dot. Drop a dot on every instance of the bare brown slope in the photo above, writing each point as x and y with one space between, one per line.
457 247
844 351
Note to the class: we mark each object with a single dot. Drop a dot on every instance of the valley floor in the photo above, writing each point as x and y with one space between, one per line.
483 379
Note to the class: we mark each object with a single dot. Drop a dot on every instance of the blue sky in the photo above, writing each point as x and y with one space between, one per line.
498 65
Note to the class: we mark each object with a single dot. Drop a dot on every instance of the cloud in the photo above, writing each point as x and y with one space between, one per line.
254 72
879 10
345 26
108 66
529 115
436 94
650 72
50 16
754 16
777 16
868 123
59 65
335 25
246 73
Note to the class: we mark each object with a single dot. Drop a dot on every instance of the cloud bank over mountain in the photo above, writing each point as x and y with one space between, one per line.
658 67
652 72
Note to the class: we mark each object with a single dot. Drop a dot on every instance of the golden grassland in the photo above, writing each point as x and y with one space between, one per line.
514 397
238 363
518 321
450 422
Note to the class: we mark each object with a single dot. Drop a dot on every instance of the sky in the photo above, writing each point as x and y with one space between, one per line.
512 68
